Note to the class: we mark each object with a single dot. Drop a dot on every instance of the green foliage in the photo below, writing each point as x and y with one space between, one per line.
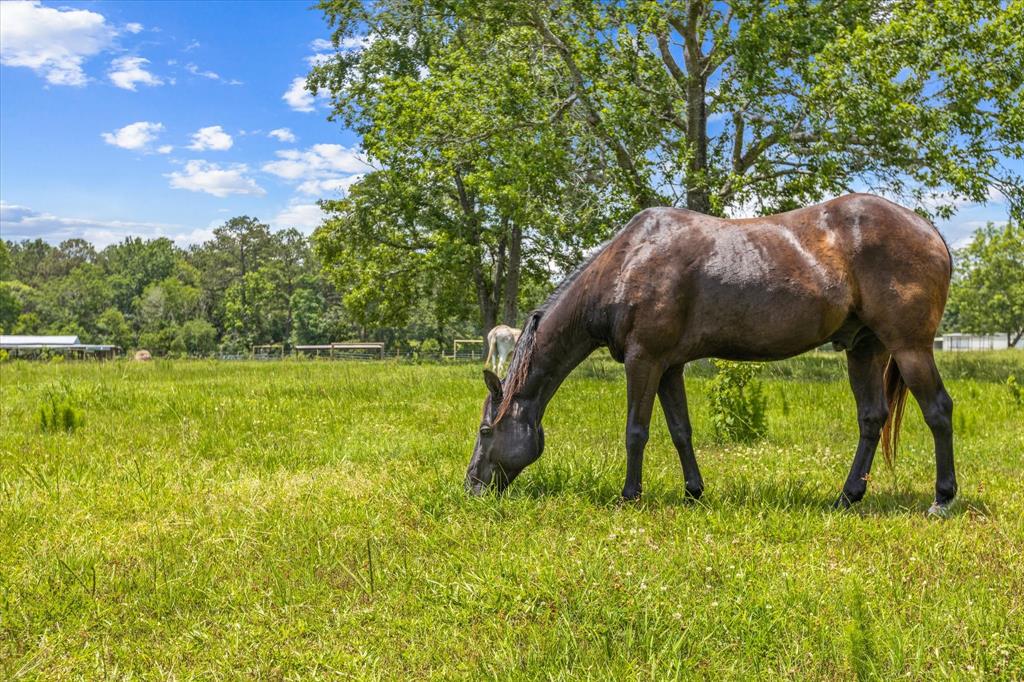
58 412
859 631
5 262
1016 389
247 284
919 99
197 337
738 403
113 328
987 293
10 307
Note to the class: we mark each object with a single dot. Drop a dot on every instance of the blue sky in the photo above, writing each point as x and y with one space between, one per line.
97 143
167 118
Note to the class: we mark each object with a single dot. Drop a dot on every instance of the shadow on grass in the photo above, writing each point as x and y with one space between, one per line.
602 489
598 484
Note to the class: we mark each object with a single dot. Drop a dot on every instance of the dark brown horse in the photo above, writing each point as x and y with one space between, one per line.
674 286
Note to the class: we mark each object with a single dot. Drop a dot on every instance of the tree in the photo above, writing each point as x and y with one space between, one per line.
166 303
6 271
472 188
73 303
717 105
134 264
238 247
987 293
113 328
10 307
249 310
198 337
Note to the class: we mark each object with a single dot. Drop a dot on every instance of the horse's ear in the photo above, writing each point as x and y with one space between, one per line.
493 384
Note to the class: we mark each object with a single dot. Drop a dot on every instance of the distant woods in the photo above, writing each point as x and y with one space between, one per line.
250 286
245 286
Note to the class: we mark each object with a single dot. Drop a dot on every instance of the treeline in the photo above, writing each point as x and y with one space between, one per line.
245 286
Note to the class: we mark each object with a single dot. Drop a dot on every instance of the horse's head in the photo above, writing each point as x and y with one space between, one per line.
506 443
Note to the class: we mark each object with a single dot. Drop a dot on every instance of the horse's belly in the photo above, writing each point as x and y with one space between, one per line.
765 322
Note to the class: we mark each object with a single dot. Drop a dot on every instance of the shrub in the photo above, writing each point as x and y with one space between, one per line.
737 402
430 347
1016 389
4 355
58 414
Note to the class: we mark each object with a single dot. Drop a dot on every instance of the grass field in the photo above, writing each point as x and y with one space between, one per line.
284 520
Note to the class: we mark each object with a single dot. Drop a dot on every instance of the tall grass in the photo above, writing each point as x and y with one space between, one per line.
292 520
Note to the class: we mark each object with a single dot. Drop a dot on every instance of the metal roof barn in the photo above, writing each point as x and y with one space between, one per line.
70 346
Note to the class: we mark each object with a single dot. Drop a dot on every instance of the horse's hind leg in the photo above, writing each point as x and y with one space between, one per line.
672 394
866 366
917 366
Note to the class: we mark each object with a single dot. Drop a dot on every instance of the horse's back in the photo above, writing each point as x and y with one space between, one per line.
773 285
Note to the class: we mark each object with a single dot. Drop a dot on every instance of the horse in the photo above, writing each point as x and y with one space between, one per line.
501 340
674 286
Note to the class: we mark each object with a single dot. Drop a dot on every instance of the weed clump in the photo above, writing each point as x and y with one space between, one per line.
738 403
58 412
1016 389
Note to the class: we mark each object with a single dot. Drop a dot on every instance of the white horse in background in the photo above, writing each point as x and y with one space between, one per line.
501 341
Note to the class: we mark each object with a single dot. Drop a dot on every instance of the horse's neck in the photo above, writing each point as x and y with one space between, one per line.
561 343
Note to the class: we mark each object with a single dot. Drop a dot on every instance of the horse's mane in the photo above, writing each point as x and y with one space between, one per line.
519 366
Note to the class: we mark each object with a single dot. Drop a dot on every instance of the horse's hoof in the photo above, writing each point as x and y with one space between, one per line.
940 510
630 496
842 502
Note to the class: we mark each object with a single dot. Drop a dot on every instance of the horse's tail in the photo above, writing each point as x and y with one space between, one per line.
490 349
896 397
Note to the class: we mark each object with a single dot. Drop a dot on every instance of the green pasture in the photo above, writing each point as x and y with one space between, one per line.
302 519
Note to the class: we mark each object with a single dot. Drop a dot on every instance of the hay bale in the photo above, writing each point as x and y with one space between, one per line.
142 356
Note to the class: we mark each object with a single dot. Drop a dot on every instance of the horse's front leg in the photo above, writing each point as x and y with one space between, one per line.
672 394
642 378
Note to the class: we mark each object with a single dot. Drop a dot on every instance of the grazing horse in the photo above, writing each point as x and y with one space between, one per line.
501 341
674 286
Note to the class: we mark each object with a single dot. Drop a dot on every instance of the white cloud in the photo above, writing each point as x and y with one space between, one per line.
202 176
212 75
134 27
193 44
304 217
318 188
21 222
318 59
164 149
317 161
196 236
135 136
196 71
297 97
52 42
211 137
282 134
126 72
320 170
350 43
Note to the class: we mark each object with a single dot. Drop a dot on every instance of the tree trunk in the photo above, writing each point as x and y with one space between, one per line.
515 257
484 291
1013 344
697 196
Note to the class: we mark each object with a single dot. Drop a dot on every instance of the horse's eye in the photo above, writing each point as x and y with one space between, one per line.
485 430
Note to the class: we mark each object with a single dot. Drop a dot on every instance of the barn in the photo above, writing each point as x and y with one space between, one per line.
68 346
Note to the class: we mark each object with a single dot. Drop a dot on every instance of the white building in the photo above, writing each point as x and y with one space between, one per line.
958 341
